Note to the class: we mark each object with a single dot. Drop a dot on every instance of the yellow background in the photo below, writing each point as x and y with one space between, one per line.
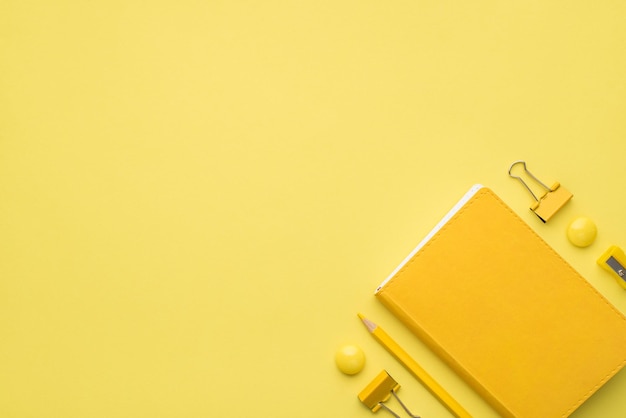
197 197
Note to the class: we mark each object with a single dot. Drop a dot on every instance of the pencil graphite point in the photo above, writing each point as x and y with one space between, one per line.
368 324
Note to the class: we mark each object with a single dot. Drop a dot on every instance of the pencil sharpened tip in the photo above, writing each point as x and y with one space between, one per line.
368 324
361 316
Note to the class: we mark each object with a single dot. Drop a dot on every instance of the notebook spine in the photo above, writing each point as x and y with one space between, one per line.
413 325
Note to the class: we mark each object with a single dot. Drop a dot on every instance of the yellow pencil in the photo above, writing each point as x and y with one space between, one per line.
416 370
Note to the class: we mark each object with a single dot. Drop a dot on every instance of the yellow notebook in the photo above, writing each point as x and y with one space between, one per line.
506 312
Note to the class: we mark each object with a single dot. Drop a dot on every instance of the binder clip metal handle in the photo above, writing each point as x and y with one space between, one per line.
553 198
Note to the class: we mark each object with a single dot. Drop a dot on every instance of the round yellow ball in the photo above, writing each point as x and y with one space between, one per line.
582 232
350 359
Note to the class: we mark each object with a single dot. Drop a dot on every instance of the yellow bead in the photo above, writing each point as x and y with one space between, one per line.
582 232
350 359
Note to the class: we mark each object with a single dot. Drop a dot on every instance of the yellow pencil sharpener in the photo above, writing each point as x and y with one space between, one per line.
613 260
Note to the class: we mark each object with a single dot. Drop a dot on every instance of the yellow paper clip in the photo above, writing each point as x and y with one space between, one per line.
613 260
379 390
549 203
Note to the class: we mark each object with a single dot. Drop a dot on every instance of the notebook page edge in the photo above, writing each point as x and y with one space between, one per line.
468 195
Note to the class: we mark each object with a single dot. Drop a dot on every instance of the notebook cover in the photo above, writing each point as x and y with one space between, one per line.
506 312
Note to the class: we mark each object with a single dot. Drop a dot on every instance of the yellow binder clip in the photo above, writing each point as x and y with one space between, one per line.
379 390
613 260
549 203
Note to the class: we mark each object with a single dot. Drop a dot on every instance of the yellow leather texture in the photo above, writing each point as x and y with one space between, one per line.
508 313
